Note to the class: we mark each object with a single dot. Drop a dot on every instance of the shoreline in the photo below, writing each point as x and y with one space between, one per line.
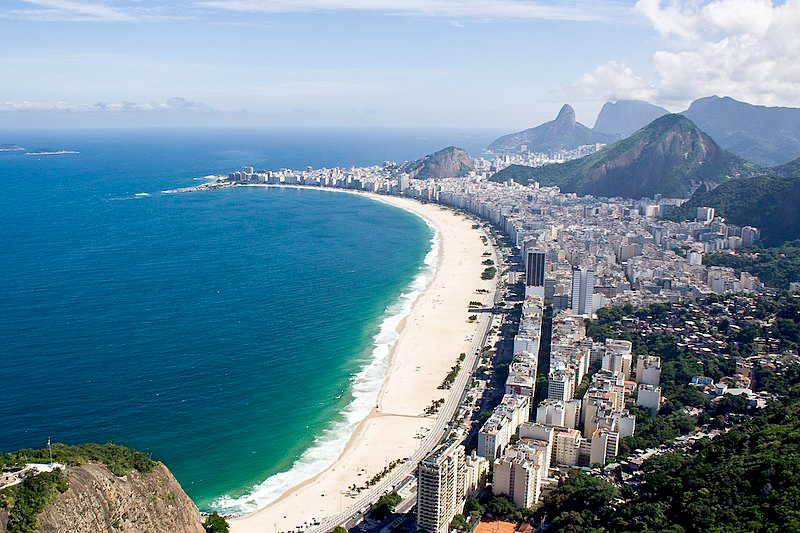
430 338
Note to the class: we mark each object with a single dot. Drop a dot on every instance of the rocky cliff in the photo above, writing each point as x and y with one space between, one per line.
624 117
99 501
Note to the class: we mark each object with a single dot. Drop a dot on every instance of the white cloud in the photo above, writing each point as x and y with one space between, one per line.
70 10
577 10
746 49
87 11
613 81
36 106
175 103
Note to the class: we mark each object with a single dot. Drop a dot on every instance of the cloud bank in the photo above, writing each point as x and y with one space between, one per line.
173 104
746 49
118 11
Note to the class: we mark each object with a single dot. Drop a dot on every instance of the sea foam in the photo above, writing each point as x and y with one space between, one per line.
366 386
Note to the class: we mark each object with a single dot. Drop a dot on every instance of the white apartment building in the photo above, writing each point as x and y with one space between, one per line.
519 473
559 413
648 370
649 397
495 435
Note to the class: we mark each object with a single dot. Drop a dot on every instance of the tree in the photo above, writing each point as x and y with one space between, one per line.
732 404
386 504
460 523
339 529
215 524
501 507
474 508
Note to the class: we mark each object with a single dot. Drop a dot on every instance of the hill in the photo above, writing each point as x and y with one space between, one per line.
624 117
669 156
450 162
104 488
764 135
563 133
768 202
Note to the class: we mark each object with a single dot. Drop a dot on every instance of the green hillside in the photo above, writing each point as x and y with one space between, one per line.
768 202
670 156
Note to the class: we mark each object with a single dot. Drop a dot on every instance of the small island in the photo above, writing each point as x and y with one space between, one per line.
11 148
50 151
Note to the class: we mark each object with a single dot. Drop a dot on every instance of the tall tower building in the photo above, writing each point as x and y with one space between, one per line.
534 272
705 215
441 487
582 291
403 183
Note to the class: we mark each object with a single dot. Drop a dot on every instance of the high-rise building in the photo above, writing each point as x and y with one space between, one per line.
749 235
649 397
534 272
705 215
648 370
560 385
519 473
442 487
566 446
402 183
582 290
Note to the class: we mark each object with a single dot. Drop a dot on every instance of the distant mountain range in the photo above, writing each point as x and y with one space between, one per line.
767 201
450 162
763 135
563 133
670 156
625 117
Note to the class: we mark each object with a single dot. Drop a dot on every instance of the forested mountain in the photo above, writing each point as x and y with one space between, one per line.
768 202
763 135
669 156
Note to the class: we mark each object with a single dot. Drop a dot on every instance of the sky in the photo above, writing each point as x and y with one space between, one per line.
503 64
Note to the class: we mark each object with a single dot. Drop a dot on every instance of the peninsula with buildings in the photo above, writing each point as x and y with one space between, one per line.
11 148
50 151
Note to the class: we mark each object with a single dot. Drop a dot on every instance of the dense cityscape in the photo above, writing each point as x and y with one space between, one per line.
566 258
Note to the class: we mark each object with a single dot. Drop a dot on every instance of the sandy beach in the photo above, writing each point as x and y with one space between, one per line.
431 338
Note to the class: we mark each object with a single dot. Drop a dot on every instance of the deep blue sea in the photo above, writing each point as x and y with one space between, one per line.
236 335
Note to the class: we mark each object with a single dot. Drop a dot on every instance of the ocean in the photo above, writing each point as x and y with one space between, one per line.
236 335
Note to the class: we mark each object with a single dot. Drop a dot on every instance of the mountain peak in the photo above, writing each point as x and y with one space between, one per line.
450 162
566 115
670 156
764 135
562 133
624 117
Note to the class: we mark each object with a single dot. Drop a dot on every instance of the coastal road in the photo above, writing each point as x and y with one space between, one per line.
432 439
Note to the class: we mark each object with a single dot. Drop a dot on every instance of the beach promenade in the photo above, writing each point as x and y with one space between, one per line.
430 341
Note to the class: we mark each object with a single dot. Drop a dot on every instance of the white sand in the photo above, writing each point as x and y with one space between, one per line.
431 339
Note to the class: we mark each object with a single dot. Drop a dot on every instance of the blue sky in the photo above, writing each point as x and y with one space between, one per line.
491 63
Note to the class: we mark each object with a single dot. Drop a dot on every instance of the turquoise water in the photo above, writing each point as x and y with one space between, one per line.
236 335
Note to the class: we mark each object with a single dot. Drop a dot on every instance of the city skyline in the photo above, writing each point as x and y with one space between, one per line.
506 64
